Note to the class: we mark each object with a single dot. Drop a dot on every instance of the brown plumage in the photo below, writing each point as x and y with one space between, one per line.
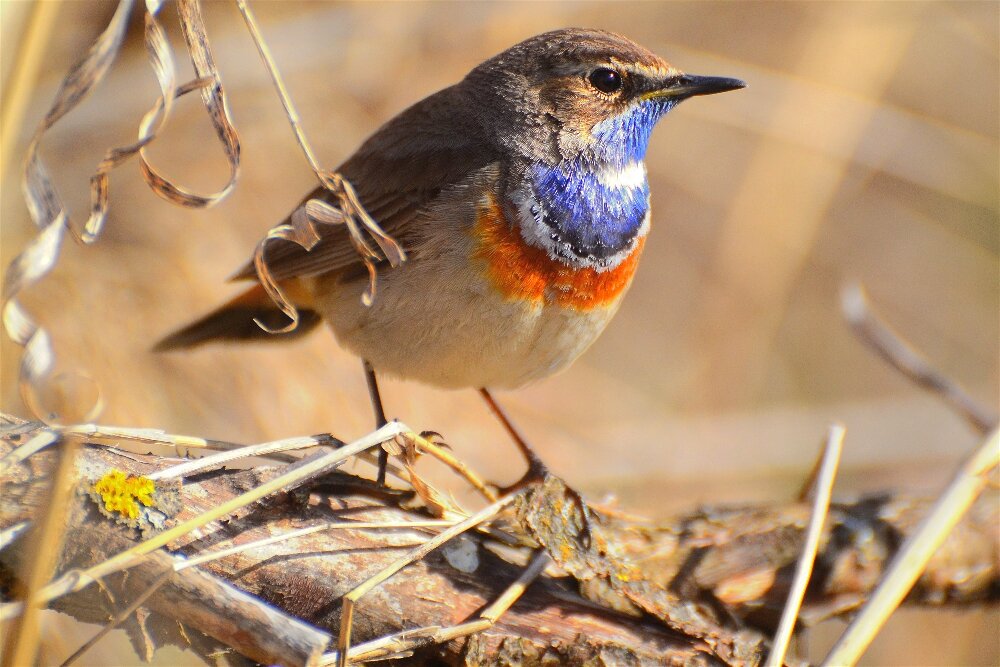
551 133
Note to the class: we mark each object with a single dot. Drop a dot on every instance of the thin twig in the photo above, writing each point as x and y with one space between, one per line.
286 100
803 569
913 556
893 348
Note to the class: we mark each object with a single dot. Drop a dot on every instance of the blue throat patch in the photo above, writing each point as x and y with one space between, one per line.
583 215
624 138
592 219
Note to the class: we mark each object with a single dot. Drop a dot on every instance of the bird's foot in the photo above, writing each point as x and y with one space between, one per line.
535 475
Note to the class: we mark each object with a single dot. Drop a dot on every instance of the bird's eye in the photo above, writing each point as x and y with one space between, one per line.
605 80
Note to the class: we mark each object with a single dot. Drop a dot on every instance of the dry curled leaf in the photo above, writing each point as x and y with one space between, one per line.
214 98
49 214
44 203
437 503
301 229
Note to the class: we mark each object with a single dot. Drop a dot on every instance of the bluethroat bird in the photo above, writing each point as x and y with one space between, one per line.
521 199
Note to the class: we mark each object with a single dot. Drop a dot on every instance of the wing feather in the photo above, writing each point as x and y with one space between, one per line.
398 172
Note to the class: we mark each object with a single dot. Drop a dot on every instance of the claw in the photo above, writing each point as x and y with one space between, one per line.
436 438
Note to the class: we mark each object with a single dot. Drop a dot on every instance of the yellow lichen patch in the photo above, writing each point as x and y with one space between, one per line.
120 493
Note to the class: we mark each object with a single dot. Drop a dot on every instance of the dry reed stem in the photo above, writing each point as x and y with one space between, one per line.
184 446
218 459
33 446
876 333
914 554
75 580
829 462
8 535
113 435
23 637
183 564
32 50
409 640
351 598
456 464
535 567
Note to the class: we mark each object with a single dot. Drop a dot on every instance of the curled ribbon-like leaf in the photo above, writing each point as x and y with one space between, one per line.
49 214
301 229
213 96
44 203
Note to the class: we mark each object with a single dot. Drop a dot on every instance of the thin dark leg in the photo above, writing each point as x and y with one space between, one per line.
536 469
380 420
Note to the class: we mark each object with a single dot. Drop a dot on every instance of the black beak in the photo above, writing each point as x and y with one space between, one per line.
690 85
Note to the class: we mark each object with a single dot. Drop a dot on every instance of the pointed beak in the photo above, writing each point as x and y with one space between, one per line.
689 85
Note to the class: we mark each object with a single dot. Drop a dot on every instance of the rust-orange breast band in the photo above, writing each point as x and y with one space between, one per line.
519 271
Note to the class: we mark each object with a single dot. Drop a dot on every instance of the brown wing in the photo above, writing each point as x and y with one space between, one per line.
397 172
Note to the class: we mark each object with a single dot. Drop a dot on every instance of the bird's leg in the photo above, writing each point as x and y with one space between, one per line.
536 469
380 420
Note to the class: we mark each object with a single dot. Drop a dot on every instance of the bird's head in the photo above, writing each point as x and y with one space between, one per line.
577 92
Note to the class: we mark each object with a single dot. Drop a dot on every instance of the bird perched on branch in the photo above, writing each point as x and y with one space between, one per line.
520 198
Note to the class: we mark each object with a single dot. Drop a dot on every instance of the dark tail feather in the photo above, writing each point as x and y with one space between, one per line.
234 321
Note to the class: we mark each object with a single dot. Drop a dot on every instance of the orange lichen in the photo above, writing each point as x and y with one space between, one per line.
120 493
520 271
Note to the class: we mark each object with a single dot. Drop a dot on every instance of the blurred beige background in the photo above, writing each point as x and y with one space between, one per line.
865 148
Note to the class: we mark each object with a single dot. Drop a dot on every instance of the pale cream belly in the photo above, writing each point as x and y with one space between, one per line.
438 321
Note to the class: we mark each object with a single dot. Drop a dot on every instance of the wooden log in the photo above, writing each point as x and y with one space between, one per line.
739 558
